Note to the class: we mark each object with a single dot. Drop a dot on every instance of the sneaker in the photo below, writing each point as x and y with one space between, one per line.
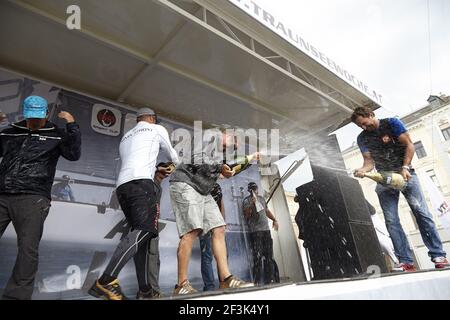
440 262
403 267
150 294
232 282
110 291
185 288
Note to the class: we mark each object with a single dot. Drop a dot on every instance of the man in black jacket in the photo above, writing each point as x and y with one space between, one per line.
30 151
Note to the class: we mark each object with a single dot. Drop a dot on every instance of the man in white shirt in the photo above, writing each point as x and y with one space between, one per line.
257 215
138 196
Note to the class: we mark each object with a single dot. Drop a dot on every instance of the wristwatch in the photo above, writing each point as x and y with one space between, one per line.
406 167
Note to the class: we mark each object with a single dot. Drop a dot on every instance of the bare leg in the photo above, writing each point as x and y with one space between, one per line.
220 252
184 254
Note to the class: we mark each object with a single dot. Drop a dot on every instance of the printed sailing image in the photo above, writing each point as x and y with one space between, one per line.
85 221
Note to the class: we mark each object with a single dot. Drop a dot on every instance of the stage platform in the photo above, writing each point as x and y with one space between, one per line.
421 285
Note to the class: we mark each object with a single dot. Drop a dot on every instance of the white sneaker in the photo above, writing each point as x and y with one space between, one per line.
232 282
440 262
185 288
403 267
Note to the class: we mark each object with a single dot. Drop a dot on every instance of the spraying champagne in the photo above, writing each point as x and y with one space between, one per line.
388 179
258 205
241 163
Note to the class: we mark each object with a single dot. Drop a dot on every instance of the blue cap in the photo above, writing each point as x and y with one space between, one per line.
35 107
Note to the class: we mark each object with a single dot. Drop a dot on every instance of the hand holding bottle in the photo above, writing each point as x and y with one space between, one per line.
359 173
163 170
405 174
227 172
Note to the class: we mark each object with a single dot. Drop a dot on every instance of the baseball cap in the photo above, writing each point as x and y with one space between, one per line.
35 107
145 111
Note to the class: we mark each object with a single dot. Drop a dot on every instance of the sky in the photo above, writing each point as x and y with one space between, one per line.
384 43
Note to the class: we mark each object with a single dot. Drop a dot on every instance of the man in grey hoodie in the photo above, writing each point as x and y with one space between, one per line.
197 213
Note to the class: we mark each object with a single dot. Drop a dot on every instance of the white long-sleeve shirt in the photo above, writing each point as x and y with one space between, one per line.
139 150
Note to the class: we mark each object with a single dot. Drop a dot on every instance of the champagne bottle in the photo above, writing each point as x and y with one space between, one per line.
389 179
239 164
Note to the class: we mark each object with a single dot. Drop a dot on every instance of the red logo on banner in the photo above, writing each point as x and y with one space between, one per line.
106 118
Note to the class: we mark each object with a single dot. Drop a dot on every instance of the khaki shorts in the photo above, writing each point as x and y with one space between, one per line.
193 210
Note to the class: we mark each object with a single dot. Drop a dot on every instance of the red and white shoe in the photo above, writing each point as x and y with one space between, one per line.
403 267
440 262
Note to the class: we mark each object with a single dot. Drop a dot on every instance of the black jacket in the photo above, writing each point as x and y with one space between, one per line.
201 177
30 157
202 174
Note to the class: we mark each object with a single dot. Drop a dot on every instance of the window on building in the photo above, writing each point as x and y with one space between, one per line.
446 133
420 150
433 177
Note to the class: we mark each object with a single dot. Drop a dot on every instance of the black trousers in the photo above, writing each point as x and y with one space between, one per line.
27 214
148 278
265 269
139 200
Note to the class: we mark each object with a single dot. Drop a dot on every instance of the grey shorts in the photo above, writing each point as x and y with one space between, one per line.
193 210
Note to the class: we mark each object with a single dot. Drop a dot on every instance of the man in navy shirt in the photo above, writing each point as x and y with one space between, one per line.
386 145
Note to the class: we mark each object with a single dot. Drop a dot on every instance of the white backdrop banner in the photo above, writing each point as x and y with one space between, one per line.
438 202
